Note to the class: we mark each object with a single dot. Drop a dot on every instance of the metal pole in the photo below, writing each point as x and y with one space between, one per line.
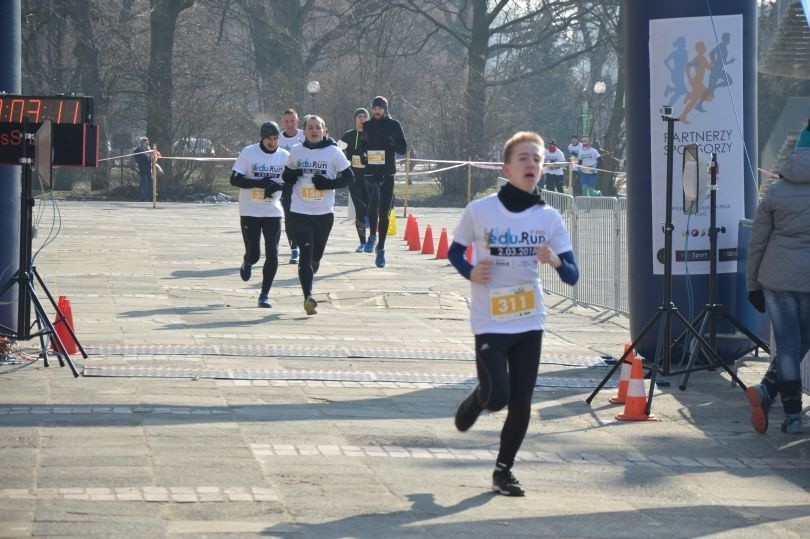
10 183
469 179
153 157
407 182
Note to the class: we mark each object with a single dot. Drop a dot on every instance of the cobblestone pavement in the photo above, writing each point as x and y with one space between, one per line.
199 414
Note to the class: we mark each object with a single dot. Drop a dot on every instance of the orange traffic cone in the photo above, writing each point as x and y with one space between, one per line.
71 347
635 405
427 245
441 250
408 229
415 244
468 254
624 380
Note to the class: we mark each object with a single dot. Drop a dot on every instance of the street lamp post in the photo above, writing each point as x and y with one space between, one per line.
599 89
313 87
603 179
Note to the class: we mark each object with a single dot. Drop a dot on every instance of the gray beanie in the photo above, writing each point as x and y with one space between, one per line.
361 110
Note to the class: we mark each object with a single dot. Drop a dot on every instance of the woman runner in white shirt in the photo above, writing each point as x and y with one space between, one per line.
314 169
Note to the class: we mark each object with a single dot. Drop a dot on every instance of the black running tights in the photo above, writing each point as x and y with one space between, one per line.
252 230
380 200
507 372
310 233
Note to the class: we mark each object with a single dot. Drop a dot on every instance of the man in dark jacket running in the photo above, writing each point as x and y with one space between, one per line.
383 138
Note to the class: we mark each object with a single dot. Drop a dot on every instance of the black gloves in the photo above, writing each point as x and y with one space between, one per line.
364 159
291 175
757 299
321 182
272 188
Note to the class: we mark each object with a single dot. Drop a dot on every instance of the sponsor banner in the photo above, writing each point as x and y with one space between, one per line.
696 66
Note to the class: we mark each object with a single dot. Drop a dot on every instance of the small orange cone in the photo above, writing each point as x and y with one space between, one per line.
427 245
415 244
468 254
624 380
71 347
635 405
441 250
408 229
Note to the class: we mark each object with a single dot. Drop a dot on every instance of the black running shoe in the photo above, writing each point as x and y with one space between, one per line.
503 482
310 306
244 272
467 412
265 302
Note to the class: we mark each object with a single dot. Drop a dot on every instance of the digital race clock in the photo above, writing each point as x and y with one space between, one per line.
59 109
75 137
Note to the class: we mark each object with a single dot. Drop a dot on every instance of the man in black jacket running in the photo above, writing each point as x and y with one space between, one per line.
383 139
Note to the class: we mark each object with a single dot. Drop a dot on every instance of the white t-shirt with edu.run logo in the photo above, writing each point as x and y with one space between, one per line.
327 161
255 164
512 301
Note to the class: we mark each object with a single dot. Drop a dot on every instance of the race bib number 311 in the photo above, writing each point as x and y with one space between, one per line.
511 303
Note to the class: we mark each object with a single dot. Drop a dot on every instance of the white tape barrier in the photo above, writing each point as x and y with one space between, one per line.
487 165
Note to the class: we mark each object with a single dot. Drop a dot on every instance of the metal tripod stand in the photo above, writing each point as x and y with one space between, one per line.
25 275
667 310
707 316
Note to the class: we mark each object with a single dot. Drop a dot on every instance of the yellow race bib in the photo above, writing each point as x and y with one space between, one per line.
310 194
257 195
376 157
513 302
356 163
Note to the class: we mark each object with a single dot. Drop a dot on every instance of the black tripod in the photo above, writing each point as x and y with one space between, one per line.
27 272
663 352
707 316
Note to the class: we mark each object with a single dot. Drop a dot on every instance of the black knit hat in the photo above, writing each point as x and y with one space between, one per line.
269 129
379 101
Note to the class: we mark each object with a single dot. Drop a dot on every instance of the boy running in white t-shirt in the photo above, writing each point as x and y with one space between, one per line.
512 233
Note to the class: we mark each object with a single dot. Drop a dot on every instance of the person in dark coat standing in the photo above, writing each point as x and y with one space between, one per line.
383 139
143 158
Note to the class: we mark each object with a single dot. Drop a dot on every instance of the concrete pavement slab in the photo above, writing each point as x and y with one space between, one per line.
200 414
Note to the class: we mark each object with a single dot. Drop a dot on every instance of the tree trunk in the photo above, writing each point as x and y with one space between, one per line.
475 95
276 35
159 85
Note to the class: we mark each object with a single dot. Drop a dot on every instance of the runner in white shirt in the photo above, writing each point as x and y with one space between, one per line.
574 147
512 233
589 162
314 170
554 167
257 172
290 137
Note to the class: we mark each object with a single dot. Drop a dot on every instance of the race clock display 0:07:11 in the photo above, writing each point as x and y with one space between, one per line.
60 110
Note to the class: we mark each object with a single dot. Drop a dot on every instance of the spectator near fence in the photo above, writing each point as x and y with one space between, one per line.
553 168
143 160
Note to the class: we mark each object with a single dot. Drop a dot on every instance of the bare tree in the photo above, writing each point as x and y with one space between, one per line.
485 29
159 81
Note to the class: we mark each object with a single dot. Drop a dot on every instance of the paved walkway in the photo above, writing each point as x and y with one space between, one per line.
199 414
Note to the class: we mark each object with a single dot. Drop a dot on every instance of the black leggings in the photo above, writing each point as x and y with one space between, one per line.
359 193
380 200
286 200
252 230
311 233
507 372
